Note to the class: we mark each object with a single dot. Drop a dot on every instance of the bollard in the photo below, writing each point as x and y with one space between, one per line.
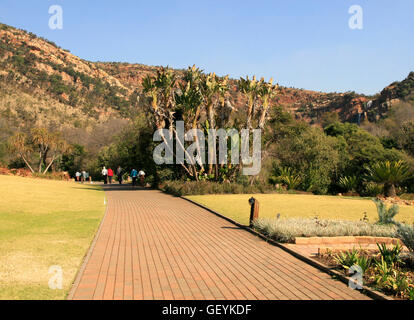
254 211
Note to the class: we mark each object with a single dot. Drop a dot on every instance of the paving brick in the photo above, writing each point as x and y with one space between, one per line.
154 246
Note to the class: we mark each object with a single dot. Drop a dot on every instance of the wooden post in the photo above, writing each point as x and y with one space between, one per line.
254 210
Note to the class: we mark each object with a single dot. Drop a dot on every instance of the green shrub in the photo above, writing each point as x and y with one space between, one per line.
406 234
349 183
189 188
391 280
347 259
391 256
364 262
288 177
372 189
386 215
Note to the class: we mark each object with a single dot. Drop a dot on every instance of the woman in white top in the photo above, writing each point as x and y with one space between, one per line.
105 175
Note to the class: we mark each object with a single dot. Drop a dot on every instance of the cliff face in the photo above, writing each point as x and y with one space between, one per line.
393 95
41 83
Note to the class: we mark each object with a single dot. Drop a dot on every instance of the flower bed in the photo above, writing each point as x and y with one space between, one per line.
388 269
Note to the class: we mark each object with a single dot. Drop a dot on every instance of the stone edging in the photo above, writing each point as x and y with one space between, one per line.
366 290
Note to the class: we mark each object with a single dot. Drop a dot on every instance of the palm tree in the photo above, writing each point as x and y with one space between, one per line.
388 173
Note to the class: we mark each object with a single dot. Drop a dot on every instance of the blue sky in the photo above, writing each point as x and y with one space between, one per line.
301 43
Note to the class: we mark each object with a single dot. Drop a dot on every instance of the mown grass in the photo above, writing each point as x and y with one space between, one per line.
44 223
237 208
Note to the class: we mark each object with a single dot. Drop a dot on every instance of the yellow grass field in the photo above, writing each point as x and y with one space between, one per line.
237 208
42 224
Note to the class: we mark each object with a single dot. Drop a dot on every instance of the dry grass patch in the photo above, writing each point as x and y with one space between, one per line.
44 223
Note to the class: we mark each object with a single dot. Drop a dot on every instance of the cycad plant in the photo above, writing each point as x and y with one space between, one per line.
389 173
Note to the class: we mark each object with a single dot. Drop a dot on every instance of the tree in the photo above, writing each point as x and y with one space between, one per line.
249 89
19 145
160 91
74 160
308 151
48 146
389 173
201 101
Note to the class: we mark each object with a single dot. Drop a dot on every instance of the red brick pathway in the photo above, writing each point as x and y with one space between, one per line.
154 246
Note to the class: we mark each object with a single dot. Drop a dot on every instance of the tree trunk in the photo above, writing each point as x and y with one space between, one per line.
389 190
50 164
27 163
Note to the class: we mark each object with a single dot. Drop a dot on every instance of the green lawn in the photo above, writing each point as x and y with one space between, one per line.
237 208
42 224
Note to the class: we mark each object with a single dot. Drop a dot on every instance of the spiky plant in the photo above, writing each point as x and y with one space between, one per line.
349 183
389 173
386 215
288 177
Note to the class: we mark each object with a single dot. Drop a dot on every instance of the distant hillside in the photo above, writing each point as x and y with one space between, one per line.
393 95
43 84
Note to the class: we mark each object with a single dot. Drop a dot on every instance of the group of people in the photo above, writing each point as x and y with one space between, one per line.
108 175
83 176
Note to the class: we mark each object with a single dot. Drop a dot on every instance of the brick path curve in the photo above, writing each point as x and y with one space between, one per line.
155 246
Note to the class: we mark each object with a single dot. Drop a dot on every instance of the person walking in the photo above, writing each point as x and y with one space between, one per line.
110 175
134 176
83 176
119 174
141 177
105 175
78 176
87 177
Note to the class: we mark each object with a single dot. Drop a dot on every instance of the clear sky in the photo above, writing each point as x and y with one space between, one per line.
301 43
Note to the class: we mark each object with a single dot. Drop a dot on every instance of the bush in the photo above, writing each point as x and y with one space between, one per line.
190 188
288 177
349 183
372 189
406 234
391 256
347 259
386 215
286 230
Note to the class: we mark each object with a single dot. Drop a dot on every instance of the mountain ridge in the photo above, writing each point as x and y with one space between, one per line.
85 93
